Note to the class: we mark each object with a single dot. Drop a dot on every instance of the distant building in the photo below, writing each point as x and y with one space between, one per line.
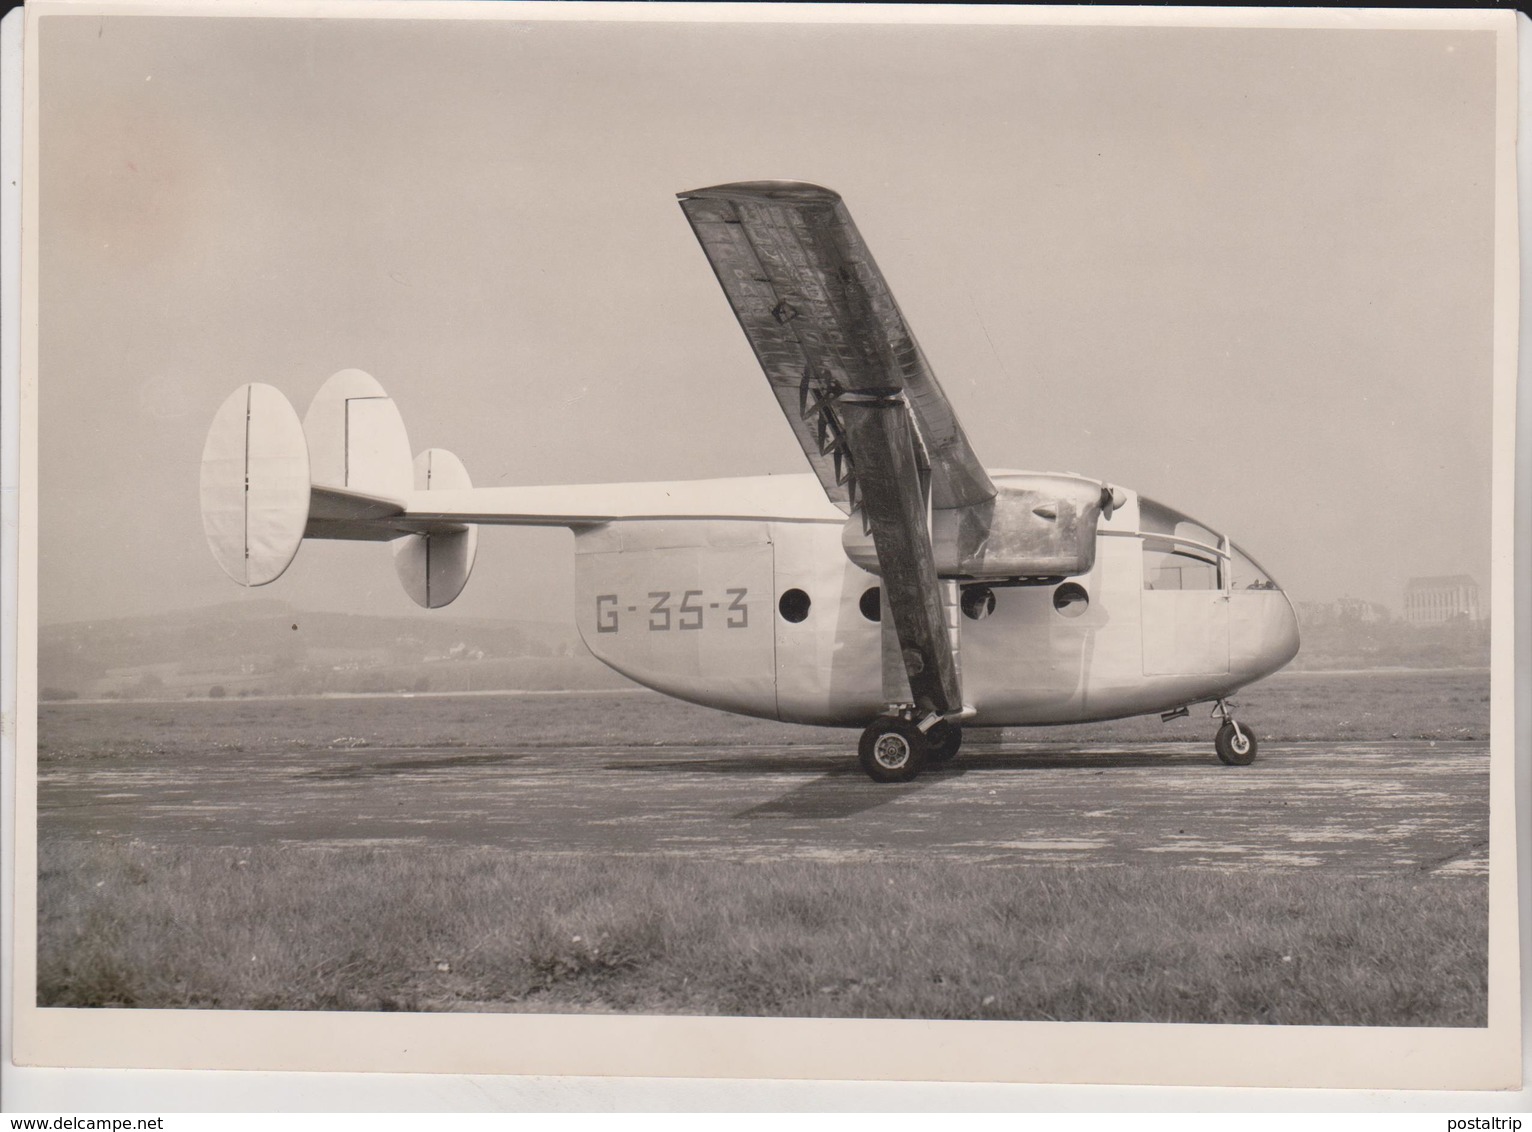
1451 597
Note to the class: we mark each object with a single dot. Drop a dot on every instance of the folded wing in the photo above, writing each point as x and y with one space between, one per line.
856 388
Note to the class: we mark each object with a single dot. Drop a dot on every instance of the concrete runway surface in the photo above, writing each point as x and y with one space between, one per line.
1394 806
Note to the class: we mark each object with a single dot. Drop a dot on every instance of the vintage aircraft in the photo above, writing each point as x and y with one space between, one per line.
902 587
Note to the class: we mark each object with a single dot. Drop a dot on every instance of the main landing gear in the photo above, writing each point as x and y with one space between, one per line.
944 739
895 749
1235 743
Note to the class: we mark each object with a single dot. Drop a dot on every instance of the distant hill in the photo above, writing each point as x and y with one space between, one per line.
269 647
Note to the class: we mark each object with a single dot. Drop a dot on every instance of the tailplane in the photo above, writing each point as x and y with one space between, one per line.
344 472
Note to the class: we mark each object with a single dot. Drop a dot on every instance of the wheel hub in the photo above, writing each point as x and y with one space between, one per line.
892 751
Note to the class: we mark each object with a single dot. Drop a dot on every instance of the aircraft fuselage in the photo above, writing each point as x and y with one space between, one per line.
770 617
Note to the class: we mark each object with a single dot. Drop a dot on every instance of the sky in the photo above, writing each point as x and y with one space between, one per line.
1244 271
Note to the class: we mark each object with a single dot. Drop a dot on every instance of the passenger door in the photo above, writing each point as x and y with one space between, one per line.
1185 612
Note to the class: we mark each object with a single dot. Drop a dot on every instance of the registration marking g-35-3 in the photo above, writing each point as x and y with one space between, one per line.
689 611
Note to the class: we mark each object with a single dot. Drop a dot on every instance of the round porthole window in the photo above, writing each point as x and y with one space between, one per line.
871 604
1071 600
978 602
794 605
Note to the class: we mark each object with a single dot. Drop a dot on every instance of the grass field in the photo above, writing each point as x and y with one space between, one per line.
125 921
362 929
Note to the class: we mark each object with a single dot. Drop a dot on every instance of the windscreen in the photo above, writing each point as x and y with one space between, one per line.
1247 573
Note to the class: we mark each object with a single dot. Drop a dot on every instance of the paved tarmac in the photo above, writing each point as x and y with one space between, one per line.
1394 806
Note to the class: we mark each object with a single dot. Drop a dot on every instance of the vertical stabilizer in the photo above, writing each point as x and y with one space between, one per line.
255 485
356 438
434 565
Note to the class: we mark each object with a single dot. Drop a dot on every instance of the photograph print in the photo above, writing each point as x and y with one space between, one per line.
607 523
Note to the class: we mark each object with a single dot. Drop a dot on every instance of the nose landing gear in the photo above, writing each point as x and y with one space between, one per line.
1235 743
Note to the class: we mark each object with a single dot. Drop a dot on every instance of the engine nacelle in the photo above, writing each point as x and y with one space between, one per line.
1036 526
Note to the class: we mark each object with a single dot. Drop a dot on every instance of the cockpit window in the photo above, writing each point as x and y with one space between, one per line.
1247 575
1157 519
1187 559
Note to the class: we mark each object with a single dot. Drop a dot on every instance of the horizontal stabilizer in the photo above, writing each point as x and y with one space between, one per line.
338 505
337 513
255 485
791 498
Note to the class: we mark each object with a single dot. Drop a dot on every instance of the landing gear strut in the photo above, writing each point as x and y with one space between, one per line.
1235 743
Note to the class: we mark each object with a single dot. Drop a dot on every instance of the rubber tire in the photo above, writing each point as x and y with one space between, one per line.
1224 744
887 729
943 741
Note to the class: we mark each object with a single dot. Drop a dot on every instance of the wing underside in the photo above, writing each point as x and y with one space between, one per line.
822 322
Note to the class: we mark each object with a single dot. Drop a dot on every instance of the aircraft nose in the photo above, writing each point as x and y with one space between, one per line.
1266 632
1284 638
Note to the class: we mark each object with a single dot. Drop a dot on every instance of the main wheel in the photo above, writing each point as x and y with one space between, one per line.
892 750
1235 745
943 741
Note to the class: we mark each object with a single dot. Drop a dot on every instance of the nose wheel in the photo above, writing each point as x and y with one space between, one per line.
1235 743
